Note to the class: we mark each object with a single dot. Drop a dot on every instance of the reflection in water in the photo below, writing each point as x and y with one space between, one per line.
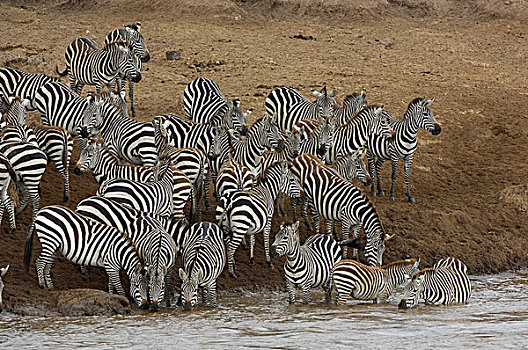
497 315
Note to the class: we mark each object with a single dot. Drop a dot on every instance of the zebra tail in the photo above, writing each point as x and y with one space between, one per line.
9 168
63 74
65 152
28 246
193 205
331 286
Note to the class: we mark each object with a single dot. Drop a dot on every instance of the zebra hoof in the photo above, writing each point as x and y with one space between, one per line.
412 200
65 198
11 230
381 193
208 208
270 264
391 198
232 275
373 193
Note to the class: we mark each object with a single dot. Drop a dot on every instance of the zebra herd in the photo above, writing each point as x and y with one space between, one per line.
148 172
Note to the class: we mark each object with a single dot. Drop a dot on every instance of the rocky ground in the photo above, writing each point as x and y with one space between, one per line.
469 181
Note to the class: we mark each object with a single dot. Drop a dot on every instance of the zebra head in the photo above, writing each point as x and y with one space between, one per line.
413 290
379 123
137 41
156 285
115 99
189 289
423 115
87 157
125 61
325 102
289 183
268 133
92 120
400 272
285 240
2 273
15 112
138 286
326 136
375 247
293 141
356 168
234 118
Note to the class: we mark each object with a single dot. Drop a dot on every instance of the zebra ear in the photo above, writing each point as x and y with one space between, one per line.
197 275
182 274
4 270
296 225
333 93
236 102
249 111
428 102
363 93
388 237
138 25
229 103
316 93
151 270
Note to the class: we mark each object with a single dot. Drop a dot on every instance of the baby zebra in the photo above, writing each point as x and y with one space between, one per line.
85 242
204 260
3 271
308 265
354 279
447 282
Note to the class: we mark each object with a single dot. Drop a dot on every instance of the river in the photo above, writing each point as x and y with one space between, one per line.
495 317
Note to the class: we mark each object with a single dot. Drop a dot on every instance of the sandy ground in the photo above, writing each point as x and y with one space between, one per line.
469 182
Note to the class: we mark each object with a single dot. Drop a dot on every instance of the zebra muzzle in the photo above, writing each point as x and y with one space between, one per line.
244 130
77 170
403 304
273 252
186 306
154 307
136 78
437 129
146 57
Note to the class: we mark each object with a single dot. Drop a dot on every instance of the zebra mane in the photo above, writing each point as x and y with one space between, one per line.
90 43
400 262
116 42
358 115
10 105
133 26
423 271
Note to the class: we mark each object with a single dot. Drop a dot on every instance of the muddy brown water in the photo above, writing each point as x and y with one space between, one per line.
496 316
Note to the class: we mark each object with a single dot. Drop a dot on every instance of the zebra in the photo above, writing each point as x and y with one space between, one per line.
352 167
403 145
191 161
131 140
352 104
233 177
29 163
7 174
251 212
308 265
204 103
334 198
319 140
59 106
362 282
88 65
14 112
356 132
85 242
131 35
447 282
3 271
290 106
203 260
154 244
290 151
154 197
14 82
114 98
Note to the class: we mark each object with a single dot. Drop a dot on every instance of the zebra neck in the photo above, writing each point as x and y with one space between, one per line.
410 125
294 255
269 186
105 164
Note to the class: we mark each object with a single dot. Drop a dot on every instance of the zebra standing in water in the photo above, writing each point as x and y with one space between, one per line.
136 43
290 106
403 145
154 244
14 82
85 242
60 106
334 198
129 139
204 103
251 212
352 104
447 282
308 265
203 259
362 282
88 65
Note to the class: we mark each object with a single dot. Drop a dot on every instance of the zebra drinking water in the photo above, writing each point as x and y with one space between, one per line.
403 145
308 265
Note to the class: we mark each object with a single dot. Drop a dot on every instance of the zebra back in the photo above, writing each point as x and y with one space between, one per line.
352 104
14 82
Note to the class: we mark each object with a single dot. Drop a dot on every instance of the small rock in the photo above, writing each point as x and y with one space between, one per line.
91 302
173 55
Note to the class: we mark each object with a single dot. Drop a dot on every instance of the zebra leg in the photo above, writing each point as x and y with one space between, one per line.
345 227
211 295
231 248
23 204
251 249
379 164
167 295
304 213
267 231
394 176
7 203
306 292
407 163
114 281
35 201
66 179
206 190
290 287
315 217
370 159
355 234
244 244
204 295
292 204
131 96
43 265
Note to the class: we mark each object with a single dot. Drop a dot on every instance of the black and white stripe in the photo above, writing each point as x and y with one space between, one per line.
352 104
136 43
447 282
307 266
85 242
250 212
154 244
7 174
289 106
317 136
352 279
204 103
13 111
335 198
14 82
403 145
203 260
88 65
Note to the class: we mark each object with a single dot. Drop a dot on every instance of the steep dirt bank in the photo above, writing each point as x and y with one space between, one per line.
474 67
